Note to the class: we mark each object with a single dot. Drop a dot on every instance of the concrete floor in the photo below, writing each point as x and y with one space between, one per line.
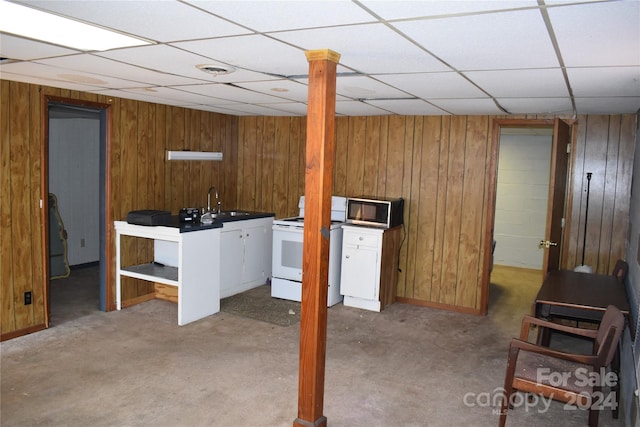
406 366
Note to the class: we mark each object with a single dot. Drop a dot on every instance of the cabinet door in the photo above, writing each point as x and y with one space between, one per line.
359 267
257 254
231 259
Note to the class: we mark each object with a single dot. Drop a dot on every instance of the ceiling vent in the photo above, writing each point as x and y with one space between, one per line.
216 70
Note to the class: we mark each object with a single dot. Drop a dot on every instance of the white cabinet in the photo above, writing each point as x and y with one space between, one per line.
183 260
369 266
245 255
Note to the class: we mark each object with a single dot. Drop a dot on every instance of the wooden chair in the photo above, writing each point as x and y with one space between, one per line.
620 270
533 368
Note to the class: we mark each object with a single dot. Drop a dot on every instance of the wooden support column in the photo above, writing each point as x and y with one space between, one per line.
317 223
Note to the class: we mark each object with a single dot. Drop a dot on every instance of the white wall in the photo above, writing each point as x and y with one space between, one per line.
74 168
521 199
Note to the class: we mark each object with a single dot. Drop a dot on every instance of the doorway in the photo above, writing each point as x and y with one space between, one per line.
75 153
556 170
524 169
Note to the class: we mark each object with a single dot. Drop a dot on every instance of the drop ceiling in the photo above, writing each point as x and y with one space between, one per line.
397 57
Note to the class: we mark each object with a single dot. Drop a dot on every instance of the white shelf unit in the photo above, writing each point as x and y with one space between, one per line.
189 261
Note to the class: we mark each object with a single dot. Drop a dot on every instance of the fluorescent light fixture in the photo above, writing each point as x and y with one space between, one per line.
193 155
35 24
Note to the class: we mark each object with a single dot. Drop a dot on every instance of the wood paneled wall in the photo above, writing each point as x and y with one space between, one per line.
605 147
21 261
271 164
440 165
138 174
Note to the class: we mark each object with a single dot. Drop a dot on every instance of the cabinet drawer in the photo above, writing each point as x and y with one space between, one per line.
361 239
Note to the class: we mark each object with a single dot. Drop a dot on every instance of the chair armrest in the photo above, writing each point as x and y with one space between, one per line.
527 321
546 351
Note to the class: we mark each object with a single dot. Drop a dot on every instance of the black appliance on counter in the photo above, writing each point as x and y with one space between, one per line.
149 217
189 215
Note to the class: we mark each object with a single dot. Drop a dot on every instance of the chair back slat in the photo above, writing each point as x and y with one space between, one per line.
609 333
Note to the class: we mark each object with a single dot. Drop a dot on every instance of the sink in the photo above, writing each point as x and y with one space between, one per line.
234 213
208 217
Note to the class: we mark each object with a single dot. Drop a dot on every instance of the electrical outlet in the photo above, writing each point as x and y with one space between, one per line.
27 298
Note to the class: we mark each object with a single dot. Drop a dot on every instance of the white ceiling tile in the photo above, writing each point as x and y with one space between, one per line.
359 47
103 66
605 81
237 94
537 105
141 95
468 106
295 108
24 49
294 90
239 75
598 34
485 42
257 110
357 108
547 82
178 95
503 48
393 9
408 107
287 89
433 85
169 60
155 20
162 58
288 14
253 52
39 80
608 105
55 74
362 87
287 109
217 109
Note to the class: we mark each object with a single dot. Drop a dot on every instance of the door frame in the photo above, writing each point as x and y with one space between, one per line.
490 204
106 216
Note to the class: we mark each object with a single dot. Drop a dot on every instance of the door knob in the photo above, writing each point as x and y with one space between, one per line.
546 244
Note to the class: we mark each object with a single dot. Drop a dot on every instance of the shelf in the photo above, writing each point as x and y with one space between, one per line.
153 273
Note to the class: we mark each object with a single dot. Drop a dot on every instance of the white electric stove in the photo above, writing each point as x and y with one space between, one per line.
286 280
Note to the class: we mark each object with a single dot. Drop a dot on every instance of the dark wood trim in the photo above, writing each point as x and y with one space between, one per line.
44 211
490 201
21 332
440 306
44 161
109 253
566 240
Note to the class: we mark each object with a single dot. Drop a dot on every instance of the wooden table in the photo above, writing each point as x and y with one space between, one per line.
580 296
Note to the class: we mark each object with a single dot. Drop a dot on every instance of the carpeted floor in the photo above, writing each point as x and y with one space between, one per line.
257 304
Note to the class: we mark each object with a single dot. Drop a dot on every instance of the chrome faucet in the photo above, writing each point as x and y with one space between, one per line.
209 200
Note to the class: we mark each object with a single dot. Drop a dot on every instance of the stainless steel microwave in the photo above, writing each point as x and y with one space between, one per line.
384 213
